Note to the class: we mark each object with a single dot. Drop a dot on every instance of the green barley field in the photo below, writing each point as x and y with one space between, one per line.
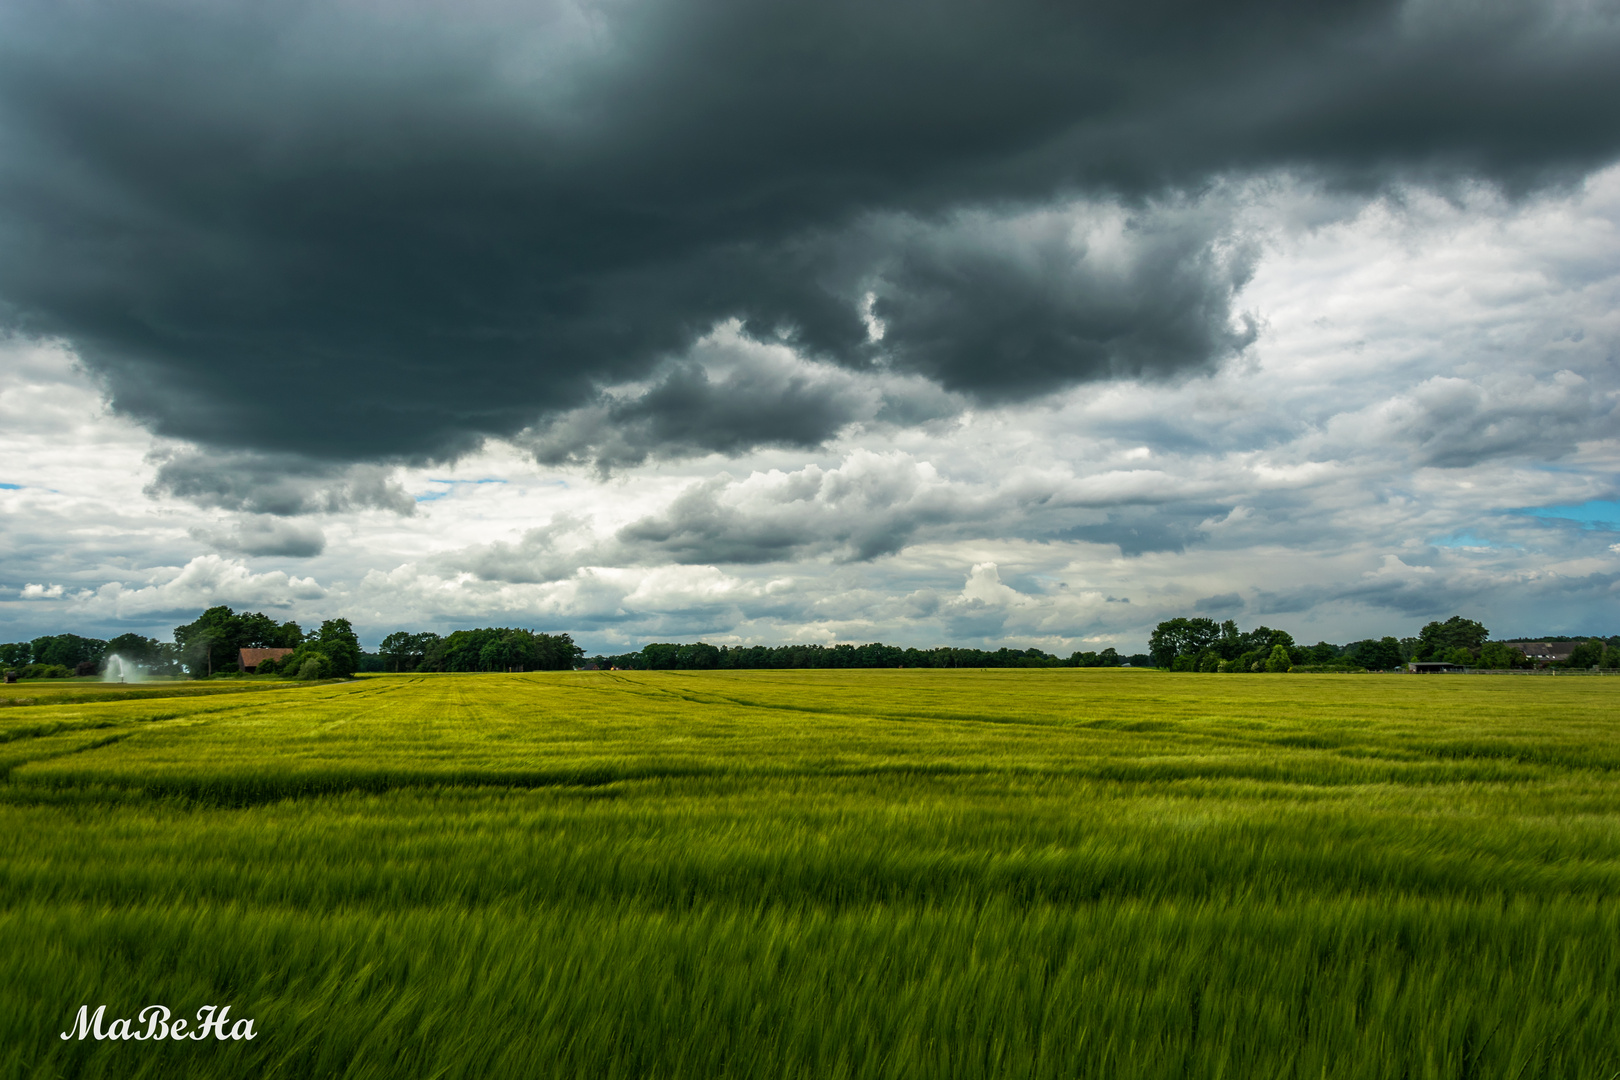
69 691
1049 873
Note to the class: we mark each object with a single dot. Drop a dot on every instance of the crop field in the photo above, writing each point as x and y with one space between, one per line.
1049 873
70 691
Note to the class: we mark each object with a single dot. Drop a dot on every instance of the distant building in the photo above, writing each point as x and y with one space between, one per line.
250 659
1433 667
1545 652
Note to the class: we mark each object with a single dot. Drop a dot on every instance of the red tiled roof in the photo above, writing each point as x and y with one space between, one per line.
252 658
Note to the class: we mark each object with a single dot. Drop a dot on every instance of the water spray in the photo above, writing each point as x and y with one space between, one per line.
123 670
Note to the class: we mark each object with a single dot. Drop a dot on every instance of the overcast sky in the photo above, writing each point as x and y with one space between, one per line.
811 320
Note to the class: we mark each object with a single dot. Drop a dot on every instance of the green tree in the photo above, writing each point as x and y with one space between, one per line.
486 649
700 655
1494 654
133 647
502 653
1438 639
336 646
402 651
1588 654
1322 653
659 656
1279 660
256 630
211 642
336 640
1181 637
555 652
1264 637
68 650
1382 654
395 650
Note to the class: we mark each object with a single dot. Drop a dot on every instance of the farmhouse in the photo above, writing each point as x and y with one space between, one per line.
250 659
1546 652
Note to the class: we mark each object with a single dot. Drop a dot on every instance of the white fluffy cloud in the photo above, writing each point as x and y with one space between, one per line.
204 581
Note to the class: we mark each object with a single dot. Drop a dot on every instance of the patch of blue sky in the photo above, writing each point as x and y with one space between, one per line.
1594 514
450 485
1465 539
10 487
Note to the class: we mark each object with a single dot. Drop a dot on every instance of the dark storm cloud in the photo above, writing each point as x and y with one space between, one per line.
267 536
1141 530
1224 604
1435 596
688 412
1454 423
727 397
348 232
1010 306
699 527
871 506
1428 556
543 554
278 484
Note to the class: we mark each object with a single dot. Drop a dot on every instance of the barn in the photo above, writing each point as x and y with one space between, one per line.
250 659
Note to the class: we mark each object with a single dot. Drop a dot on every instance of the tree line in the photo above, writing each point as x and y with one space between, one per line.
59 655
208 645
700 655
488 649
1183 644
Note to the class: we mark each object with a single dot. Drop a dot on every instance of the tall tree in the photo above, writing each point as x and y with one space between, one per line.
1588 654
1437 640
337 640
1181 637
68 650
402 651
138 649
1382 654
211 642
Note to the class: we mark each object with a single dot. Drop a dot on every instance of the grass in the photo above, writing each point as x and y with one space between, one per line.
823 874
